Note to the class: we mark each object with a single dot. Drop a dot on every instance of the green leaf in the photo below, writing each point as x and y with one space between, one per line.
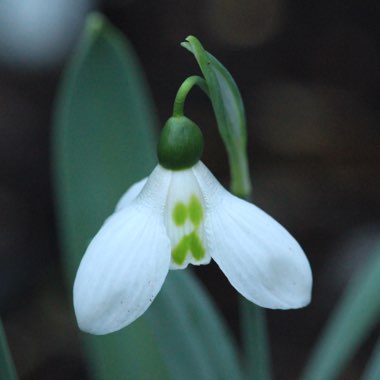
131 353
103 142
372 370
353 319
205 349
7 369
229 111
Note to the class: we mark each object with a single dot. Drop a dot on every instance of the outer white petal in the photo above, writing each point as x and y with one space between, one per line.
258 256
126 263
131 194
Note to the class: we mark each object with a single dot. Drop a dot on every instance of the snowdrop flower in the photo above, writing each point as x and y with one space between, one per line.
181 215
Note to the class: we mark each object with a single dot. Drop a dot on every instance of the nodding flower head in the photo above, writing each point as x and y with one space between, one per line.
181 215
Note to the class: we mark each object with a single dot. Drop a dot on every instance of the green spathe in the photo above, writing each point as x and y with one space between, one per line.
180 145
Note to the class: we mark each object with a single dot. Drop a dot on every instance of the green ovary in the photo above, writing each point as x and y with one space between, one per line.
192 243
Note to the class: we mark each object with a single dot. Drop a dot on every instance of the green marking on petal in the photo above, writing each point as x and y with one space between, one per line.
179 214
195 211
179 252
196 246
192 243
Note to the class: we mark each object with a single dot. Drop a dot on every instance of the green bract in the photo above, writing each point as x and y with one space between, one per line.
180 145
229 112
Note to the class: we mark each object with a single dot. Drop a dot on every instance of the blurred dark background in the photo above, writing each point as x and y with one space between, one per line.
309 73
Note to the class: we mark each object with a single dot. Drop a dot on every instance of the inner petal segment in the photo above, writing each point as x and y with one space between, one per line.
185 221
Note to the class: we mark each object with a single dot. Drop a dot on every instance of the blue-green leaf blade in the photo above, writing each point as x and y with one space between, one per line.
372 370
184 310
7 369
104 135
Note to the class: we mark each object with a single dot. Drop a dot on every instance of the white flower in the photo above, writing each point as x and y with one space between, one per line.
176 218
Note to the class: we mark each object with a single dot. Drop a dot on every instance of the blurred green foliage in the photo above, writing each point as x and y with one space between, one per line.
354 317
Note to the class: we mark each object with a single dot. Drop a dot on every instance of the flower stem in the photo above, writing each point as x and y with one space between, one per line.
256 357
184 90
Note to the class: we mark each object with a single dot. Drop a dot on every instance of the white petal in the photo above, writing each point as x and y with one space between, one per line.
126 263
131 194
184 221
258 256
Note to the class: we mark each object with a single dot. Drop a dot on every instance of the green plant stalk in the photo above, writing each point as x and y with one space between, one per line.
256 357
237 154
255 340
183 91
7 369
